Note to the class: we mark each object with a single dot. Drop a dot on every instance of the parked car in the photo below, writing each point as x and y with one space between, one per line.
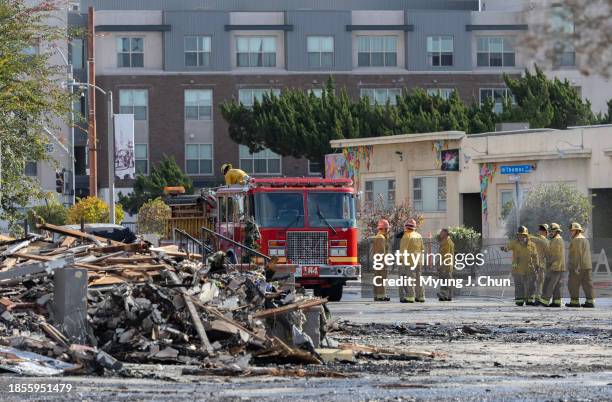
107 231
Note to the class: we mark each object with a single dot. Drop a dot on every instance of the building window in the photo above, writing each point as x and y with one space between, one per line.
499 96
316 167
381 95
30 169
256 51
380 191
429 193
377 51
130 52
133 101
198 159
141 158
495 52
507 203
564 55
440 50
262 162
562 26
444 93
197 51
198 104
77 56
248 96
317 92
320 51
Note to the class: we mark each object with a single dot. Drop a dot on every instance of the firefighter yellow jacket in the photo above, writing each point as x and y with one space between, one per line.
542 245
556 254
412 242
447 247
380 244
235 176
580 254
524 256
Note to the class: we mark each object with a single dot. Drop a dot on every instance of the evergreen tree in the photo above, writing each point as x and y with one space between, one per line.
300 124
166 174
547 103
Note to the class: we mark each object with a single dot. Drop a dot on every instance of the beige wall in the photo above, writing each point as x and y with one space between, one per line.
580 157
106 52
417 161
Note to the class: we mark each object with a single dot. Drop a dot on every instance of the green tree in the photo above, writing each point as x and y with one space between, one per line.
30 98
547 103
300 124
546 203
149 187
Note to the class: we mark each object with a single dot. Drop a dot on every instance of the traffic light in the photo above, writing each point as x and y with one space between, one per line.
59 181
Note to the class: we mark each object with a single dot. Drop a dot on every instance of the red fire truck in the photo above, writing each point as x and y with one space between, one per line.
309 222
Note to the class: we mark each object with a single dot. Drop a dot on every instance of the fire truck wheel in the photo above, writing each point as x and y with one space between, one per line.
231 257
334 293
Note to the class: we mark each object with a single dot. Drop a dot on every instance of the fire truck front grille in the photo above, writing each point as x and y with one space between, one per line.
307 247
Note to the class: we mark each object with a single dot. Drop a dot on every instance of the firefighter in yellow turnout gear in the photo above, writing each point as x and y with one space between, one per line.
580 268
541 242
381 246
555 269
445 272
524 263
234 176
412 243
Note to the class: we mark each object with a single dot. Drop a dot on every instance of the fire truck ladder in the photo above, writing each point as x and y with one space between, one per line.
242 246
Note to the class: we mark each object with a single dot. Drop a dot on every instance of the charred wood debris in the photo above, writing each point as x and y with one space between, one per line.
73 303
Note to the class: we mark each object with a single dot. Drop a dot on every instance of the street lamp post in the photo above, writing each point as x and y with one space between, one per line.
110 143
72 163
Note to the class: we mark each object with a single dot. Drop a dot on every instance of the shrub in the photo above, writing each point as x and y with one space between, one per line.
53 212
546 203
152 216
466 240
93 210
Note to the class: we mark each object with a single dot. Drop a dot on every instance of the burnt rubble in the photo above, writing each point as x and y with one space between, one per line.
82 304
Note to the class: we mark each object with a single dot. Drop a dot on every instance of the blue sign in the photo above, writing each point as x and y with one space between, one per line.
516 169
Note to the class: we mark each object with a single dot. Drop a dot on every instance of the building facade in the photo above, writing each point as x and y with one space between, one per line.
173 63
477 192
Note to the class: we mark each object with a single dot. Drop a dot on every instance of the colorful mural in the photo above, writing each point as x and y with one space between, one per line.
335 166
487 173
437 147
349 163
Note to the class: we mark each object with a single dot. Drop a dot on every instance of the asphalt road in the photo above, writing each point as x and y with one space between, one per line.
488 349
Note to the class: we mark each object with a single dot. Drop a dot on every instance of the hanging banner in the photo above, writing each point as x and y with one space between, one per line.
125 164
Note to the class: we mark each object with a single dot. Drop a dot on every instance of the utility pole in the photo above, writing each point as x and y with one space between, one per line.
111 157
92 139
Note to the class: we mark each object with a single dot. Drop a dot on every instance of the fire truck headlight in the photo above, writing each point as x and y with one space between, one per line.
337 252
277 252
350 271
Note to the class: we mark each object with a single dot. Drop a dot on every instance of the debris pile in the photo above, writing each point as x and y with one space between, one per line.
72 302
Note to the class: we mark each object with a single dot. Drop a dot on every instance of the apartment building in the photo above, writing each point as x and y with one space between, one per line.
58 132
172 63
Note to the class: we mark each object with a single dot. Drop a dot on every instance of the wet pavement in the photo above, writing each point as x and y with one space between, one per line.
488 349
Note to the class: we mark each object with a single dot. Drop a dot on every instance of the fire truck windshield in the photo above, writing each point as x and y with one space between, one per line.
279 210
327 209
